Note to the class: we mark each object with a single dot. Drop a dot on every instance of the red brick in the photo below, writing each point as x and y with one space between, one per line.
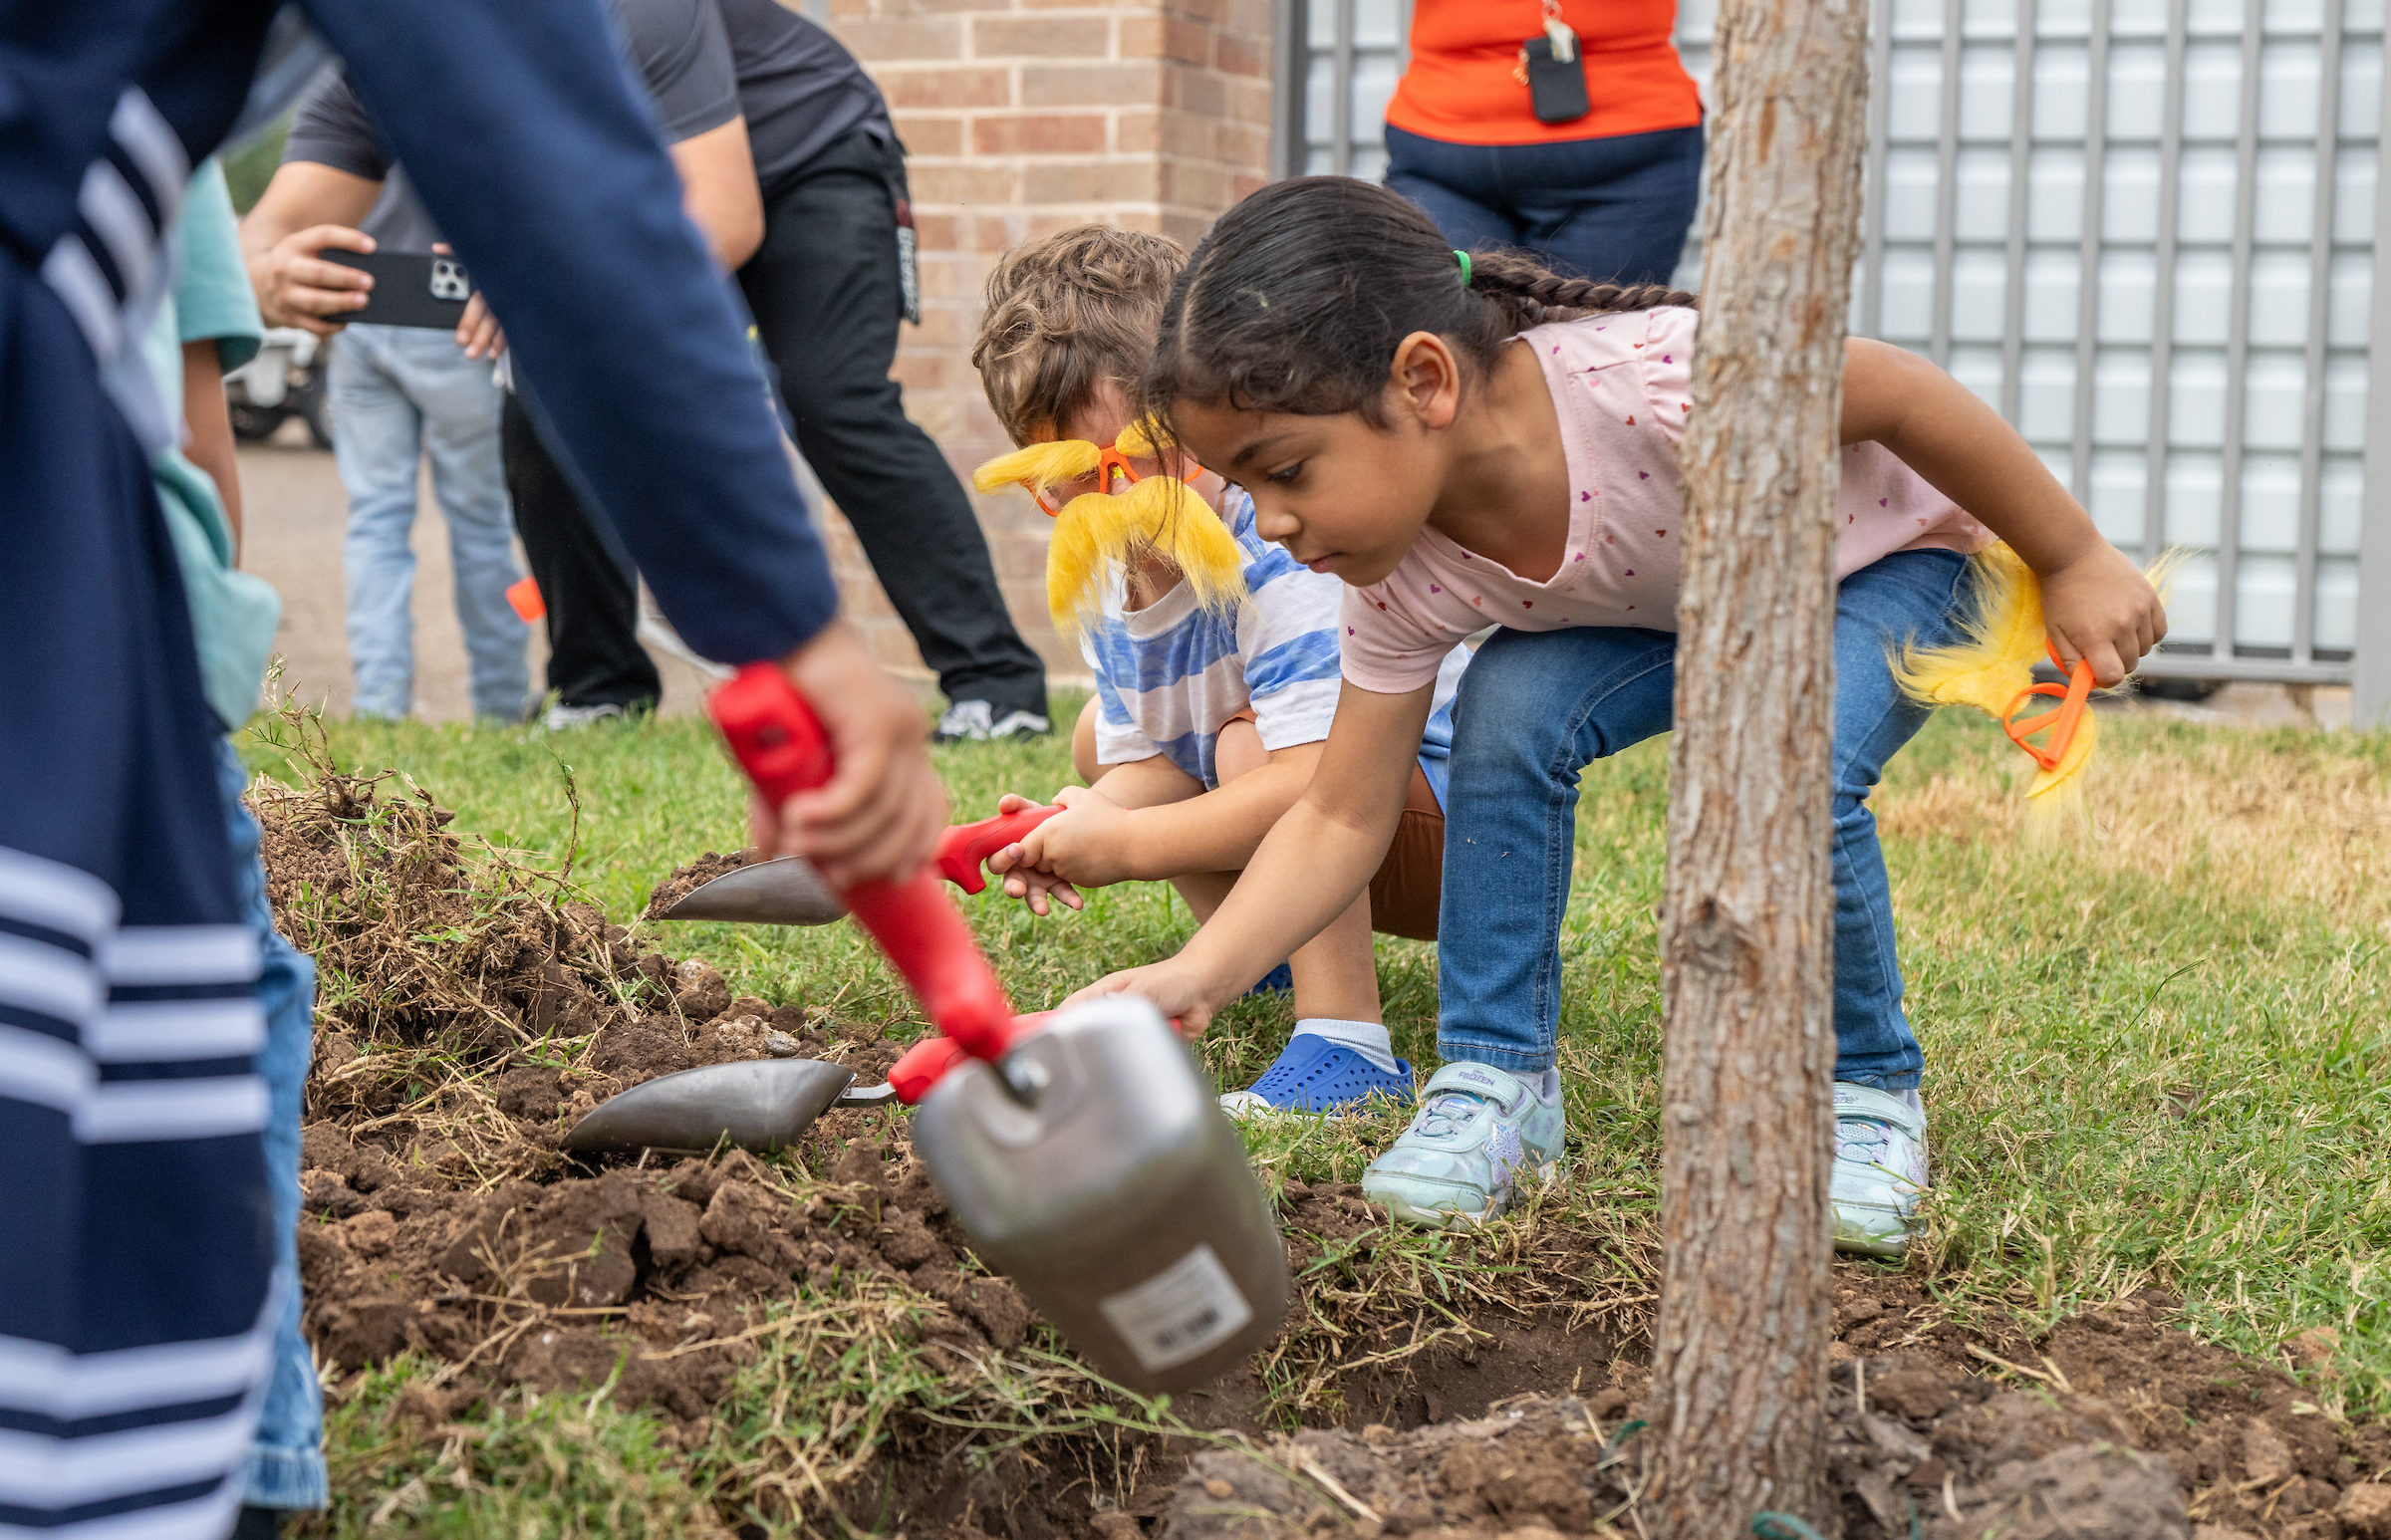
982 87
1040 36
909 37
925 136
1197 91
965 184
1186 41
1137 133
1042 134
1141 37
1127 181
1113 83
1235 54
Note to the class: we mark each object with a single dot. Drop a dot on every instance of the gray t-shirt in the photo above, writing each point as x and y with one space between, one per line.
799 87
675 48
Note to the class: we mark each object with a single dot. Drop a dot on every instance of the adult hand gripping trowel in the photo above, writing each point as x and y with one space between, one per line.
788 891
1084 1155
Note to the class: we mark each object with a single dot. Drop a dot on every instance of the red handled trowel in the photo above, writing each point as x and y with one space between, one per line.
1083 1152
789 892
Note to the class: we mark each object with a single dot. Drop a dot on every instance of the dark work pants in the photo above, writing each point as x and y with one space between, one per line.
826 294
585 578
1611 209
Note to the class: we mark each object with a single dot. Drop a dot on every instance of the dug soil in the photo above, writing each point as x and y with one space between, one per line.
474 1007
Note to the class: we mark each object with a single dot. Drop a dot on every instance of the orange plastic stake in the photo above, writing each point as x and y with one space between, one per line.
2061 724
525 596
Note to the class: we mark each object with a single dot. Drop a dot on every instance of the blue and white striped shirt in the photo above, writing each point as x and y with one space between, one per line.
1170 677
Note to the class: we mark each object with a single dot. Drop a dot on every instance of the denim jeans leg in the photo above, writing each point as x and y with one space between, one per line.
460 407
378 444
1906 597
1442 181
1534 709
286 1462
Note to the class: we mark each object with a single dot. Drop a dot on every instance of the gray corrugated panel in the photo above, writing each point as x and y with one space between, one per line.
2022 155
2162 316
1341 92
2372 674
1290 64
2320 264
1946 183
2087 300
2236 342
2204 665
1872 227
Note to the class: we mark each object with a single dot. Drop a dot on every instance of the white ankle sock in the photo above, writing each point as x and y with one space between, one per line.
1367 1038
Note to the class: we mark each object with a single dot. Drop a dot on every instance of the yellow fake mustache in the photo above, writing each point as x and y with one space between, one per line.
1994 662
1097 535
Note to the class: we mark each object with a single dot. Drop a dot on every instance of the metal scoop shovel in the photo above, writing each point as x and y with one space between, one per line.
763 1104
789 892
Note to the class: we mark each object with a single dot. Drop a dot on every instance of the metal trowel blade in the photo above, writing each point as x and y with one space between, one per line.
759 1103
783 891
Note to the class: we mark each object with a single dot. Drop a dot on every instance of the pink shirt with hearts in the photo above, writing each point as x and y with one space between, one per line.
1622 386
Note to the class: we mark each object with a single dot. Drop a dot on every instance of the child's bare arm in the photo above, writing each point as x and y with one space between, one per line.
1101 840
2096 604
1314 862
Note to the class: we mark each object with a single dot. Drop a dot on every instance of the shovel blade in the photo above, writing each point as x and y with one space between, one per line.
784 891
759 1104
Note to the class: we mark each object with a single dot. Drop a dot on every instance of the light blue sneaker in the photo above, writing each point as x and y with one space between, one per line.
1880 1168
1314 1074
1478 1133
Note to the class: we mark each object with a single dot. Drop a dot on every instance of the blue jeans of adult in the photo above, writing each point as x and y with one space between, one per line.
286 1461
400 393
1614 209
1536 707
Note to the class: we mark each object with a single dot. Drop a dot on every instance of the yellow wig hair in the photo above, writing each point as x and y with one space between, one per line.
1993 664
1099 534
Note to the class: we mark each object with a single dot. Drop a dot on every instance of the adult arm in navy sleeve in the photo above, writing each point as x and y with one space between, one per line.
526 141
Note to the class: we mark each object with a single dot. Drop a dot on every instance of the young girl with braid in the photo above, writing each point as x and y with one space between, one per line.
1468 440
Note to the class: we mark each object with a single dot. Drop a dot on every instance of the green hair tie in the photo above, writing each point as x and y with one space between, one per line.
1462 258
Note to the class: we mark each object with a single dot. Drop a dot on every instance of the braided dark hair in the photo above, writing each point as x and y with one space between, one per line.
1298 298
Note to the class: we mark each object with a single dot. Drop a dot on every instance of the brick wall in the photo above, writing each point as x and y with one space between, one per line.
1025 117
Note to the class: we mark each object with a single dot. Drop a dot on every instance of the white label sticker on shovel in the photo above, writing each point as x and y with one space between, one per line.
1179 1313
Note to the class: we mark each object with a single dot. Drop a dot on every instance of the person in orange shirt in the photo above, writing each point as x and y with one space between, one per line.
1567 129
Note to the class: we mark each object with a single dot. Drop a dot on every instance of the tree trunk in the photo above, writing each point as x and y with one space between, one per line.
1747 944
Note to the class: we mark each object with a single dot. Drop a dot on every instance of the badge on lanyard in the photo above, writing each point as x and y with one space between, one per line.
1553 70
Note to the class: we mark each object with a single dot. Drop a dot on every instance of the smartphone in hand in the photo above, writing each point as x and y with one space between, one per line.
409 288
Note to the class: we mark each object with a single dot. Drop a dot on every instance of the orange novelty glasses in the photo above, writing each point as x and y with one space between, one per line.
1109 462
2061 724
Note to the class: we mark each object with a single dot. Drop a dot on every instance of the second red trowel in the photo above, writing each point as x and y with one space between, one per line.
789 892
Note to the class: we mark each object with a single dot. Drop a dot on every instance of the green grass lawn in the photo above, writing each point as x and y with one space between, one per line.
2159 1050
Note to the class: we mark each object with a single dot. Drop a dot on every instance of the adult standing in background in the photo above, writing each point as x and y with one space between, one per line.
827 287
398 393
1568 128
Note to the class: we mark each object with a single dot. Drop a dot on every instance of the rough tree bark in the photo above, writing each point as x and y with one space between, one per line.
1740 1363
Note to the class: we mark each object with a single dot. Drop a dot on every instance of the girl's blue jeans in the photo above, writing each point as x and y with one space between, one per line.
1535 707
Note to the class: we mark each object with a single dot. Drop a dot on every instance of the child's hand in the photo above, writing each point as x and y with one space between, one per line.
1025 880
2101 609
1087 845
1172 986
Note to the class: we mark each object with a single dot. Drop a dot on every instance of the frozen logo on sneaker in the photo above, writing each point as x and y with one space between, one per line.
1479 1080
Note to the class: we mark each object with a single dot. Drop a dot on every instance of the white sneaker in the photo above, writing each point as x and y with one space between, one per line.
561 719
975 721
1880 1168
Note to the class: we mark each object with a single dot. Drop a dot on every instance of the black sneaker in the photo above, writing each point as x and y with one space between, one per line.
257 1524
976 721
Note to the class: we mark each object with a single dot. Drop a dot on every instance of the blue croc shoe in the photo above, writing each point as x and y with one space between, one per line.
1315 1075
1277 981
